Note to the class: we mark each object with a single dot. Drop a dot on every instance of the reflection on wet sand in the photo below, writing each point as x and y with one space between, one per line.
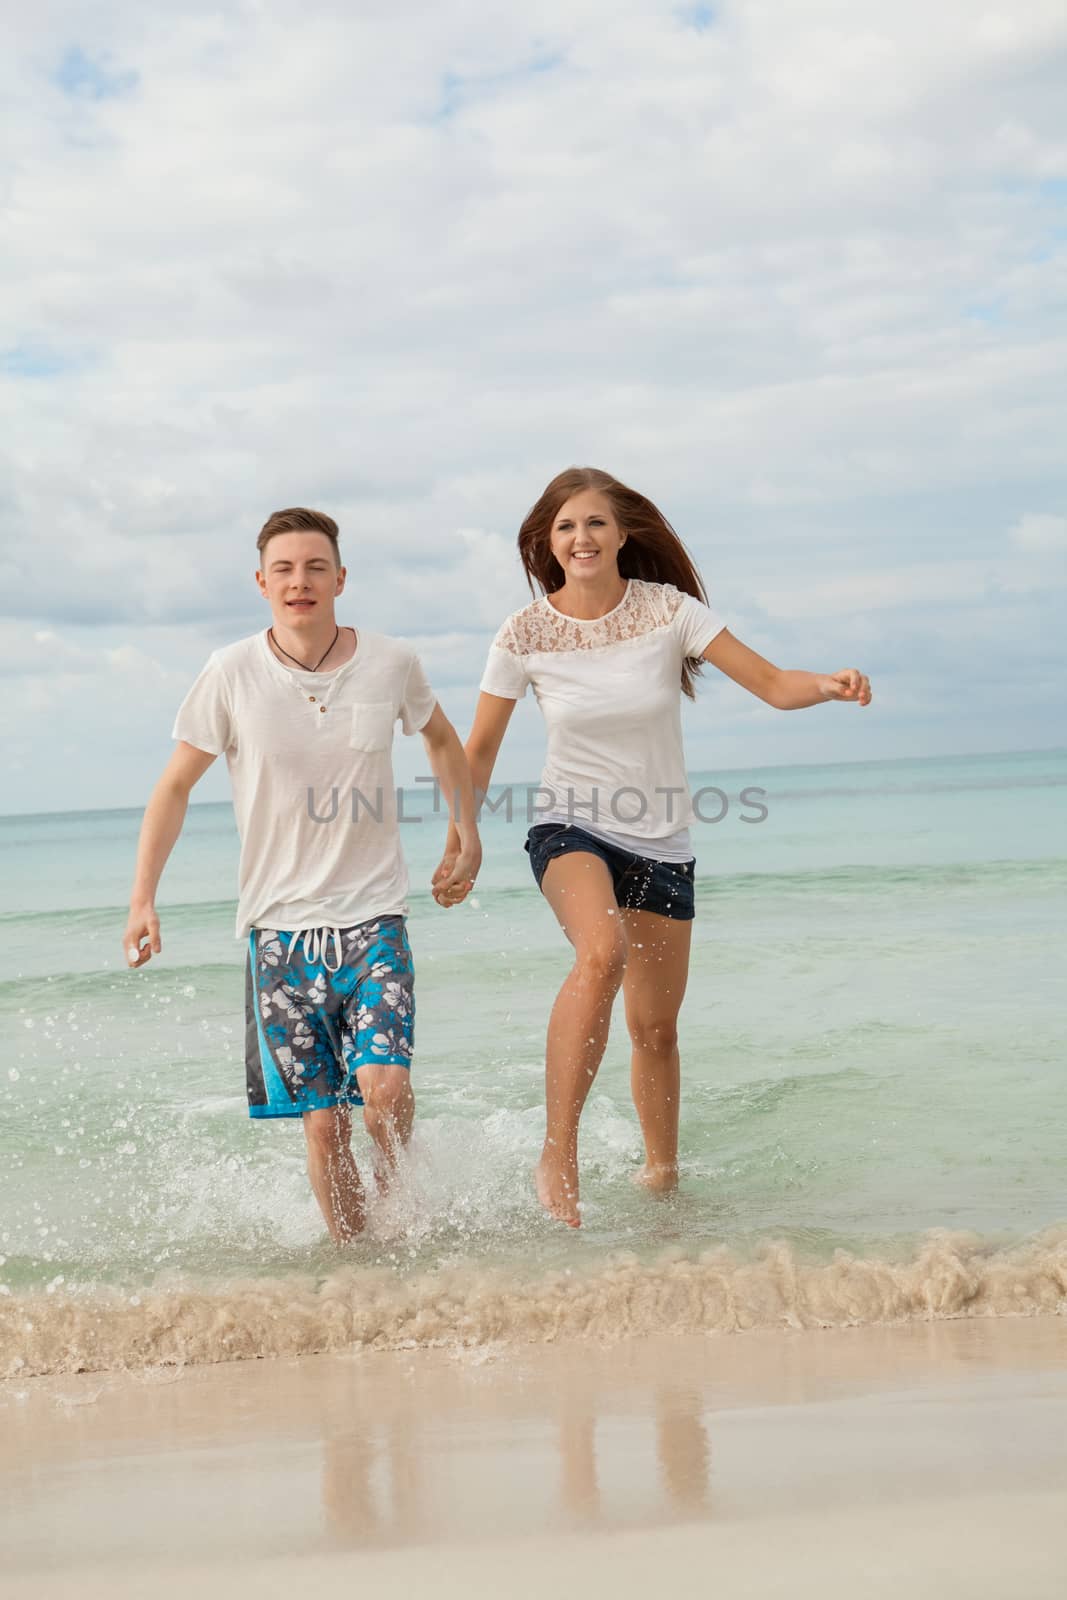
682 1445
392 1483
578 1485
463 1447
372 1486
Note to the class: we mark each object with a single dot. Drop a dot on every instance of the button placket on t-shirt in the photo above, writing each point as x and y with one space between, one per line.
320 702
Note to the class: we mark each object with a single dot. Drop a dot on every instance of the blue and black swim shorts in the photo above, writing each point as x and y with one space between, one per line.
321 1003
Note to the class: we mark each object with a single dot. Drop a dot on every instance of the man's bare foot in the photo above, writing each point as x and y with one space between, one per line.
346 1230
659 1179
557 1190
386 1166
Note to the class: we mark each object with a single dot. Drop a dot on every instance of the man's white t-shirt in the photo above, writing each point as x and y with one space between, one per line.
310 759
610 692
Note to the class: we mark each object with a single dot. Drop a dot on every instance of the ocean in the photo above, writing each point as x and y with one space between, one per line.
873 1095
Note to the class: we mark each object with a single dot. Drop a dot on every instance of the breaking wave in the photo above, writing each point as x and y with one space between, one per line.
717 1291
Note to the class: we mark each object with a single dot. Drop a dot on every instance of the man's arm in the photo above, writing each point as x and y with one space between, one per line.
491 717
160 828
453 879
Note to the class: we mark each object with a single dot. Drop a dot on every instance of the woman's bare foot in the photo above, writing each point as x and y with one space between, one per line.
660 1179
557 1188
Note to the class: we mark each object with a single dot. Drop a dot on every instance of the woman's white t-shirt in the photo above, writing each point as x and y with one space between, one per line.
610 693
310 759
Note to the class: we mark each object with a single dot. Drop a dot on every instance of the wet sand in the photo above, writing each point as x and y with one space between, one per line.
857 1462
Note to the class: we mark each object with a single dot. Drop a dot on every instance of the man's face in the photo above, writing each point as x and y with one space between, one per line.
301 579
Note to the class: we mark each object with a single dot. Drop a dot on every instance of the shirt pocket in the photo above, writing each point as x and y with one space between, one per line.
372 725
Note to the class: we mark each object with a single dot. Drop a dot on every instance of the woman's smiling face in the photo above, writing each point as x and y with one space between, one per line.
585 538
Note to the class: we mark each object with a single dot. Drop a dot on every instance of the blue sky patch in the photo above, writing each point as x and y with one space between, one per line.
85 77
457 89
30 360
990 312
700 17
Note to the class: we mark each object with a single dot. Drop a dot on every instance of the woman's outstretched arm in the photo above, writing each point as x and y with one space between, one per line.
784 688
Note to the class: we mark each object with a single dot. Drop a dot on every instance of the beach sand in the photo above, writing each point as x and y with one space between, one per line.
927 1459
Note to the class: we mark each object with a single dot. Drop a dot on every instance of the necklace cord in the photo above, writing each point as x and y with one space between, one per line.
303 664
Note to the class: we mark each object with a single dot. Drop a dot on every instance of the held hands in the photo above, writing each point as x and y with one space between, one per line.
454 878
848 685
141 940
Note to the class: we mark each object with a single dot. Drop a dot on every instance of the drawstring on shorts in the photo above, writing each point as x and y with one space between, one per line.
316 944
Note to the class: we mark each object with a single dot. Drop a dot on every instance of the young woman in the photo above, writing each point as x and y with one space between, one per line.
616 638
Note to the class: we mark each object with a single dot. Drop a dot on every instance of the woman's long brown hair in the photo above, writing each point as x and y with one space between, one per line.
653 551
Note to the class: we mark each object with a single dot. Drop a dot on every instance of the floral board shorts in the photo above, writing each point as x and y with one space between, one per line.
319 1004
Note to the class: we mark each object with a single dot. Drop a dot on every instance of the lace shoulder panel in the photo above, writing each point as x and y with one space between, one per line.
539 627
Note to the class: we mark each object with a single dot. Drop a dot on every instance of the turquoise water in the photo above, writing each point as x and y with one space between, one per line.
873 1047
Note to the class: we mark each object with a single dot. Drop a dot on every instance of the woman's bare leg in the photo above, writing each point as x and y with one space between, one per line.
657 970
332 1169
579 889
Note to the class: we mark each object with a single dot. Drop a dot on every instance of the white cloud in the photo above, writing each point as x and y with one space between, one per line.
799 275
937 585
1039 532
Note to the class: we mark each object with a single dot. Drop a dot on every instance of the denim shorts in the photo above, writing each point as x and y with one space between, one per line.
641 884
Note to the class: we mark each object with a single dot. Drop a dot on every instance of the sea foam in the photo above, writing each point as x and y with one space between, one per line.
950 1275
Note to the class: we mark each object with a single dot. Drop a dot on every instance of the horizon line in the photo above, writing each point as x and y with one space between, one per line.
790 766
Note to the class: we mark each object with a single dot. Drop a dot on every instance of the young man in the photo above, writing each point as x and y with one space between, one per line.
305 714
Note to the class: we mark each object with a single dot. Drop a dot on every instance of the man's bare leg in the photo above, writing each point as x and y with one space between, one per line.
333 1172
654 987
388 1112
579 889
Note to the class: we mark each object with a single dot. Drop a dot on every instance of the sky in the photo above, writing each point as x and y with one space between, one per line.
797 271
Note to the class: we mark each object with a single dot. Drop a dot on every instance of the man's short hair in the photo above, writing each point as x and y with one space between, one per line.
298 519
